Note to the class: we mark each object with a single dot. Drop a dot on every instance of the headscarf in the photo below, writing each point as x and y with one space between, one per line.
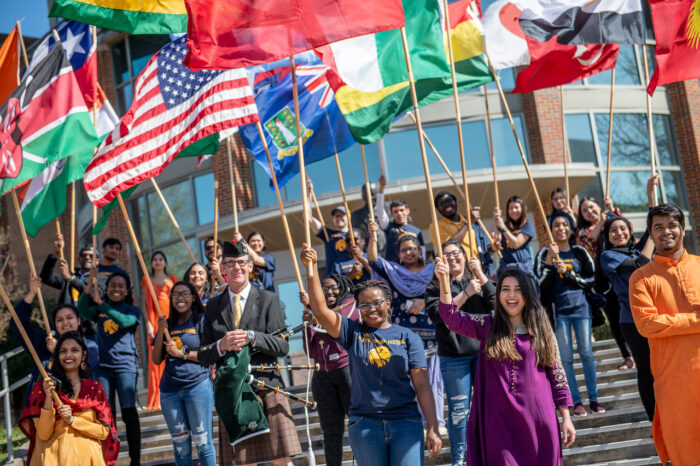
628 248
407 283
561 213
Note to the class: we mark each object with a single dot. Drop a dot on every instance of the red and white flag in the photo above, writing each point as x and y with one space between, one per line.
172 108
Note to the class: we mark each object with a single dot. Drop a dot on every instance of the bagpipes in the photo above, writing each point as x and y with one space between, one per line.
262 385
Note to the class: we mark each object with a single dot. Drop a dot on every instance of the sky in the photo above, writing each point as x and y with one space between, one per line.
32 13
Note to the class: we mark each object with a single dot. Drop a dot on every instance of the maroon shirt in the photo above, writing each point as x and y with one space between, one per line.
323 348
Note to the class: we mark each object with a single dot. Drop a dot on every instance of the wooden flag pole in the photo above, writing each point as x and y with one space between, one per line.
58 232
72 227
610 132
565 142
368 188
650 123
234 200
32 269
460 137
290 243
382 155
491 151
27 341
139 256
94 241
320 216
443 280
172 218
302 167
520 149
345 200
21 43
216 219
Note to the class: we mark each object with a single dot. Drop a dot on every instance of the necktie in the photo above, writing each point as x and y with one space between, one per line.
237 312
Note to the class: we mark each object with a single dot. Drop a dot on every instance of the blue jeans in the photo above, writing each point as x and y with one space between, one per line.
458 375
189 412
582 327
123 383
383 442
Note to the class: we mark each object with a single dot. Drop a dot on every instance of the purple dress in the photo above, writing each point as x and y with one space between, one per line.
512 420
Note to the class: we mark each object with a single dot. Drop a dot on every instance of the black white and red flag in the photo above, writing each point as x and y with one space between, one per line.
172 108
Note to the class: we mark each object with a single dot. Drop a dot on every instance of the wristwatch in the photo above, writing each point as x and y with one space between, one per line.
503 230
251 336
185 351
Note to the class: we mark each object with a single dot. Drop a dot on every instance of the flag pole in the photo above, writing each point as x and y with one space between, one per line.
139 256
94 239
454 182
58 232
444 281
21 43
172 218
94 123
368 188
234 200
382 155
610 128
285 224
32 269
650 123
345 200
320 216
460 137
216 218
520 149
491 151
72 227
565 142
302 167
27 341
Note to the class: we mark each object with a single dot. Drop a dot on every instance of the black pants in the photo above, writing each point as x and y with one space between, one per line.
332 395
133 434
612 311
645 381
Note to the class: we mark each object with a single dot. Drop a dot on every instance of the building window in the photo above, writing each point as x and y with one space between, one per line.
629 68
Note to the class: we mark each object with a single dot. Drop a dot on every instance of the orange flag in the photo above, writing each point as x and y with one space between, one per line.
9 66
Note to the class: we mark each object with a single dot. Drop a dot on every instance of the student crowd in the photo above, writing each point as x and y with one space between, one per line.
393 333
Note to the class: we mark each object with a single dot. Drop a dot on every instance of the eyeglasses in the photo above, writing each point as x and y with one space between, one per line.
331 288
85 255
407 250
181 294
209 248
367 306
452 255
231 264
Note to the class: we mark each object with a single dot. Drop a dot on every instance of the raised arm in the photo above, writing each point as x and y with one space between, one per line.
328 319
469 325
372 248
313 222
381 215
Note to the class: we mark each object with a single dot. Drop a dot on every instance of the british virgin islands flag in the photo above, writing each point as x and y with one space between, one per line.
323 127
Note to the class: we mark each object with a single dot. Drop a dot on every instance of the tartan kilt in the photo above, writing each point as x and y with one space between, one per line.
281 442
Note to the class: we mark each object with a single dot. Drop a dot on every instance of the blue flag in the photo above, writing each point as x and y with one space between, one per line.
322 125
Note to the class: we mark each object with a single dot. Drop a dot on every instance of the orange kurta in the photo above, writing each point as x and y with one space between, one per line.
155 372
665 300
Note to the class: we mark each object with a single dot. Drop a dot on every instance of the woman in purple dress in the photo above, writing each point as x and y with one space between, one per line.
519 369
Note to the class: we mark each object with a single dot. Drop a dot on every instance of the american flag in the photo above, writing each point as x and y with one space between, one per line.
172 108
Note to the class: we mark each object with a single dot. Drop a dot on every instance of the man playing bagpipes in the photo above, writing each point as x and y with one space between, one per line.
238 323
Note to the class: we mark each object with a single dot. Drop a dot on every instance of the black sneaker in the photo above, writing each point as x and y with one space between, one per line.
596 408
579 410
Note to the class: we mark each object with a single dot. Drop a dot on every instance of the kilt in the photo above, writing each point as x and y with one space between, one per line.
280 442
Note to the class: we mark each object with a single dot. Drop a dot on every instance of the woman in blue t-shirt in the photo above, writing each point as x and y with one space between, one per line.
513 236
387 362
564 282
263 274
117 322
186 393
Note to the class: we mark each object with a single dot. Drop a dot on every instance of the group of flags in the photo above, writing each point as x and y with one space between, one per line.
232 70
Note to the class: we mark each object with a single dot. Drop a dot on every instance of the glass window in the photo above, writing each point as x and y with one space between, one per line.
580 136
264 193
630 145
507 81
178 258
626 70
120 62
593 189
204 198
674 188
141 219
665 142
628 190
178 197
288 293
143 47
504 146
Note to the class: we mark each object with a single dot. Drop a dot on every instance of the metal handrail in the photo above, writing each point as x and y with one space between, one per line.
7 389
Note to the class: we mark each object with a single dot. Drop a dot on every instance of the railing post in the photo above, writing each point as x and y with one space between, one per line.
8 413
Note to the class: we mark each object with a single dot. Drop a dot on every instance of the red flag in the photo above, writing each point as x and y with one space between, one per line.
236 33
553 64
677 31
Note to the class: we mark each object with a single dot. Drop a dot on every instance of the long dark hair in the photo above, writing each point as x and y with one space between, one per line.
408 237
197 306
582 223
56 368
523 216
262 237
165 258
366 330
345 285
558 191
207 286
73 309
500 342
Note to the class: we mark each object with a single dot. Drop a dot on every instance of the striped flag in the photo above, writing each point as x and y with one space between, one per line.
172 108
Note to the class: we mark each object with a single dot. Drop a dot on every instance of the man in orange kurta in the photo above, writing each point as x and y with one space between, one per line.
665 300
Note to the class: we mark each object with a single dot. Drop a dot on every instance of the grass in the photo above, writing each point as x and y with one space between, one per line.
18 439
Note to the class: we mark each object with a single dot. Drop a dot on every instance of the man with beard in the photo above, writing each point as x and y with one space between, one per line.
452 225
665 301
70 283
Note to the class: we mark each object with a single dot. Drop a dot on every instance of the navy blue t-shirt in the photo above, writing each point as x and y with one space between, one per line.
336 248
483 243
263 277
178 373
381 382
344 267
522 255
393 232
570 301
116 344
610 260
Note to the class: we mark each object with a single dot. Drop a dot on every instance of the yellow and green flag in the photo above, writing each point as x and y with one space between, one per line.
132 16
368 73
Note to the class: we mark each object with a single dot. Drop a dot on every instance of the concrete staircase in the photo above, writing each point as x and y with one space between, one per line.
621 436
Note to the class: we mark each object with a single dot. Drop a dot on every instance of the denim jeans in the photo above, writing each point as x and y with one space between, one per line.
582 327
188 413
458 375
383 442
123 383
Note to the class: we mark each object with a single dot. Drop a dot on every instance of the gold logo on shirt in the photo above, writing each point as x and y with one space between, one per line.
110 327
379 356
340 245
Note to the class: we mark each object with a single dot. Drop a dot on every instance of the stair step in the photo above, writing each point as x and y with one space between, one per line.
614 451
